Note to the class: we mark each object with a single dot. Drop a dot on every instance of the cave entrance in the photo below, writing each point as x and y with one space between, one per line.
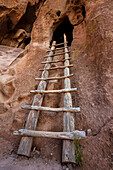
27 20
61 26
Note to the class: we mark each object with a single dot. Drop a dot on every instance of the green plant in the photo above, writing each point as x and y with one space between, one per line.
78 155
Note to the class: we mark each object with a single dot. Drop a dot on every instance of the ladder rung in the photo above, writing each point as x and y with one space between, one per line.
54 78
58 67
57 54
58 49
54 91
57 135
61 44
55 61
63 109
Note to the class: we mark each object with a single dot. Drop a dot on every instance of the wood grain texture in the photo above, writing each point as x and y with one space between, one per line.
57 49
57 54
54 91
56 135
31 123
68 151
54 78
61 44
55 61
58 67
62 109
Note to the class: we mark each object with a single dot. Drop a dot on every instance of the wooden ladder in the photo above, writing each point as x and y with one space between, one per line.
69 133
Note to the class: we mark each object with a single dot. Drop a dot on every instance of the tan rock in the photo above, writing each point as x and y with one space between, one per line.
6 87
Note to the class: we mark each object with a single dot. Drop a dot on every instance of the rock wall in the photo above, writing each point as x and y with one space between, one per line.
91 52
13 30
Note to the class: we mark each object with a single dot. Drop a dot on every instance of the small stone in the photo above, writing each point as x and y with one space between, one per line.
51 154
92 104
89 132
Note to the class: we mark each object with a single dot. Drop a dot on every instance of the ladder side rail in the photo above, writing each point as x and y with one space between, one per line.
31 123
68 152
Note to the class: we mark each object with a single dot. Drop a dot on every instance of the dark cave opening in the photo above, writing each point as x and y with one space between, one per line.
59 28
27 20
83 11
25 42
58 13
26 23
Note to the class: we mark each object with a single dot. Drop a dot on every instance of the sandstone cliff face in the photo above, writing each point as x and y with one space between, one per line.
91 47
16 20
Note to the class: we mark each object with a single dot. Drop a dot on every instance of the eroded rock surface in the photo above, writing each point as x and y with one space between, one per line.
6 87
91 49
7 56
14 16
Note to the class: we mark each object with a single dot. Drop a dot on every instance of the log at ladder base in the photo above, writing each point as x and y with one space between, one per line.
68 151
31 123
57 135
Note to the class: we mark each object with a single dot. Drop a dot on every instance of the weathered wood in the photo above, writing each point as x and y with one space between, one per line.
57 54
68 151
53 78
31 123
56 135
58 67
54 91
57 49
60 48
62 109
61 44
55 61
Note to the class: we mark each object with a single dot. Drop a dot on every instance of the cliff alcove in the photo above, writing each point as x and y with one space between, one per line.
20 36
91 55
59 27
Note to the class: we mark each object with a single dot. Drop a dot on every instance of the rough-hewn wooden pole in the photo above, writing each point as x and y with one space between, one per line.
68 152
54 78
56 135
57 54
55 61
31 123
58 67
54 91
62 109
